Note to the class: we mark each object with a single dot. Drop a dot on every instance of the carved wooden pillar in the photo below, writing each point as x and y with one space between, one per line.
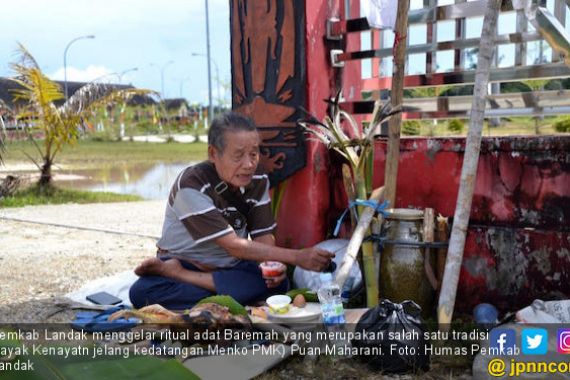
268 78
280 61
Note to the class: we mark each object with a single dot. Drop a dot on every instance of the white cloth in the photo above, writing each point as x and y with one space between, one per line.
308 279
117 285
381 14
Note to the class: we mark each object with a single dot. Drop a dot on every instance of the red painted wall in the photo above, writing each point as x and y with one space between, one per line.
521 181
518 243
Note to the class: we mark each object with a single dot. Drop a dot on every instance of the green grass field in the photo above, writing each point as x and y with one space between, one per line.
32 196
513 126
87 153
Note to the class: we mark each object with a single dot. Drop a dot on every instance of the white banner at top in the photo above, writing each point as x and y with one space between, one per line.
381 14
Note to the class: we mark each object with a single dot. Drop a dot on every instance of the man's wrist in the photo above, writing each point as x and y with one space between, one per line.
296 257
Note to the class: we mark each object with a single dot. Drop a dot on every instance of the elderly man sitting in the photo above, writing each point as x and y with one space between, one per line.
212 209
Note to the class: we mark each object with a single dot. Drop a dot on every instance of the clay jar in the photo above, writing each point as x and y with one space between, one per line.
402 270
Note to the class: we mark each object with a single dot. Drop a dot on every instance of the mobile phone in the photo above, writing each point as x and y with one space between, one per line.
103 298
331 268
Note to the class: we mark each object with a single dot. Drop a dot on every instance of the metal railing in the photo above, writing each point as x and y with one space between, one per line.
549 30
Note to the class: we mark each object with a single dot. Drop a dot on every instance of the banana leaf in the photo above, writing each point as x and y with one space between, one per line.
86 367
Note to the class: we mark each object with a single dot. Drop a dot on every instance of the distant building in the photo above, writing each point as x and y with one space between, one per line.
7 88
177 109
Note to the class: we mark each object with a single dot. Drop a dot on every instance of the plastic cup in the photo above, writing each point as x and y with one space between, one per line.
271 269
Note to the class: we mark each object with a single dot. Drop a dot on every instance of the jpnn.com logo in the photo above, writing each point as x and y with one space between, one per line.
534 341
503 342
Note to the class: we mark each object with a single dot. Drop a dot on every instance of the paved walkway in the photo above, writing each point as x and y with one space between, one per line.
163 138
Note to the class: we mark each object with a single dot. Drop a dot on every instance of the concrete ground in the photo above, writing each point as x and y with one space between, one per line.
48 251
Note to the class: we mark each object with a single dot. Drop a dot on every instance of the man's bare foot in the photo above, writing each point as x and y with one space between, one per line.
156 267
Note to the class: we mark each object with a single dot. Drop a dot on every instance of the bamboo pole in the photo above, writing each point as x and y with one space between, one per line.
441 235
428 238
469 169
396 95
370 277
354 245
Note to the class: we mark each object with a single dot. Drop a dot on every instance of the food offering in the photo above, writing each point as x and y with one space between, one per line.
281 309
272 269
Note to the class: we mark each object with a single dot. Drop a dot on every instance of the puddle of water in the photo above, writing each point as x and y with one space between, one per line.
148 181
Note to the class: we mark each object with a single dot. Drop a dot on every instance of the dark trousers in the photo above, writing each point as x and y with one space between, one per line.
243 282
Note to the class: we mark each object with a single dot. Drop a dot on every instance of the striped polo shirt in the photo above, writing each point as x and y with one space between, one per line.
196 215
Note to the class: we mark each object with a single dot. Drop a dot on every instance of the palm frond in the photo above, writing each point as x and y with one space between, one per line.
309 117
343 142
25 58
95 94
352 122
335 130
382 113
317 131
60 124
37 89
5 108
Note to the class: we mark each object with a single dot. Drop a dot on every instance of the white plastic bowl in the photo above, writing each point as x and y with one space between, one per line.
279 304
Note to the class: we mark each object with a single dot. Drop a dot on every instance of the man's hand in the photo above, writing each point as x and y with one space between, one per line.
315 259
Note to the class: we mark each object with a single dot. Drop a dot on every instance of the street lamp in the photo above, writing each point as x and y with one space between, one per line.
126 71
217 72
211 105
65 60
162 68
162 77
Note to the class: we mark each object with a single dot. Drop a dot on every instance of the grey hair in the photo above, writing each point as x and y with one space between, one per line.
228 122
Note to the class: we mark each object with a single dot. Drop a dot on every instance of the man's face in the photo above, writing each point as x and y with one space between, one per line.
237 163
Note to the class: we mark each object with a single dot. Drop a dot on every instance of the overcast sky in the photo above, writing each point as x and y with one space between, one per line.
145 34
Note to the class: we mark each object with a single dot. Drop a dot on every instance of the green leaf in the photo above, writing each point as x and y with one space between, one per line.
87 368
48 367
228 301
369 170
307 293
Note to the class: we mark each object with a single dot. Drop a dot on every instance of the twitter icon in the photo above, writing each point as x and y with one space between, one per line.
534 341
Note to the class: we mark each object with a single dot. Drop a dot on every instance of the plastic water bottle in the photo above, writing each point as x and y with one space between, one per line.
333 315
346 290
331 303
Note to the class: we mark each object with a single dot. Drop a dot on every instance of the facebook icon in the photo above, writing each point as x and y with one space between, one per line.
503 341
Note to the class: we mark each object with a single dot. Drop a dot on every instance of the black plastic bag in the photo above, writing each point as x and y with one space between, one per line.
398 330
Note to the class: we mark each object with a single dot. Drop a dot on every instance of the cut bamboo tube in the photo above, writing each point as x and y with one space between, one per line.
357 237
